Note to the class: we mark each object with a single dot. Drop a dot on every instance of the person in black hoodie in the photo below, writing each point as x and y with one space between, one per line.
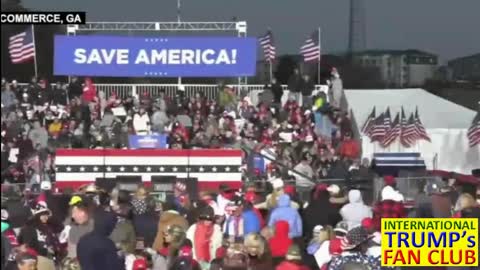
306 87
319 211
277 91
95 250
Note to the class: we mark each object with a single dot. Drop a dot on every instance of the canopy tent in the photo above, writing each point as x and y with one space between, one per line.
445 122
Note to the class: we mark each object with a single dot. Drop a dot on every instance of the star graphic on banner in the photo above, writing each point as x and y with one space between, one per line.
175 169
162 169
201 169
95 169
122 169
227 169
109 168
69 169
214 169
149 169
82 169
135 169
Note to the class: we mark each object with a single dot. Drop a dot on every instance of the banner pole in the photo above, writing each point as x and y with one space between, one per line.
34 52
319 52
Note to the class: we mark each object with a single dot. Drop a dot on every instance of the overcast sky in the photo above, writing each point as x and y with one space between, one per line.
445 27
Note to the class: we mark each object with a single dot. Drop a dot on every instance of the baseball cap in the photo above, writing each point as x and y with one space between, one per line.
74 200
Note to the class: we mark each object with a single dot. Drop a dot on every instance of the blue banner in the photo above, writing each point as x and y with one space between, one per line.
147 141
115 56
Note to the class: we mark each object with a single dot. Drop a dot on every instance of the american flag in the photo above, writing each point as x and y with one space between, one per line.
311 48
409 132
420 128
474 131
22 47
369 123
76 167
378 130
393 133
269 50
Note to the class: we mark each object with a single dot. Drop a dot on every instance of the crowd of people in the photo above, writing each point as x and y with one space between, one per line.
290 222
230 229
38 118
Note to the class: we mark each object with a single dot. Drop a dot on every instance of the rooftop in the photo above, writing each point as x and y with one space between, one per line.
410 52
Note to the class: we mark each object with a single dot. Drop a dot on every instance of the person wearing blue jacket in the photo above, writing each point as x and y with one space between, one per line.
285 212
242 221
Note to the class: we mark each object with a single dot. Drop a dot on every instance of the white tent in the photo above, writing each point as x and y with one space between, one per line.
445 122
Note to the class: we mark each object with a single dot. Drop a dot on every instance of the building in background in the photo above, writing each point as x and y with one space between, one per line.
357 37
464 68
400 68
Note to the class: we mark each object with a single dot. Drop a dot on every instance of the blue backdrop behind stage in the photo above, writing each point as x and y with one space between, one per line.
114 56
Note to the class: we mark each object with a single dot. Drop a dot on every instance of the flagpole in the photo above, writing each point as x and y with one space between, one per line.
319 52
271 69
34 51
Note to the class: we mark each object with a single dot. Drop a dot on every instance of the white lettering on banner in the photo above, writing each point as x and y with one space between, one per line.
122 57
155 57
80 57
102 56
206 60
142 58
187 57
174 57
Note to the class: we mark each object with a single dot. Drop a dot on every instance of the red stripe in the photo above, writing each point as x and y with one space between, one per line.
201 185
150 152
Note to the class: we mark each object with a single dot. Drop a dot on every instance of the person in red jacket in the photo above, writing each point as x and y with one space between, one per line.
349 148
89 90
280 242
293 260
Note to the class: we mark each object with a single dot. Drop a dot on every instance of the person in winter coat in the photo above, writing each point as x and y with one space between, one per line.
336 88
168 218
259 256
285 212
80 224
391 206
242 221
145 220
95 250
123 235
355 211
319 211
141 122
8 98
206 237
280 242
294 84
38 135
293 260
277 91
349 147
40 233
307 86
